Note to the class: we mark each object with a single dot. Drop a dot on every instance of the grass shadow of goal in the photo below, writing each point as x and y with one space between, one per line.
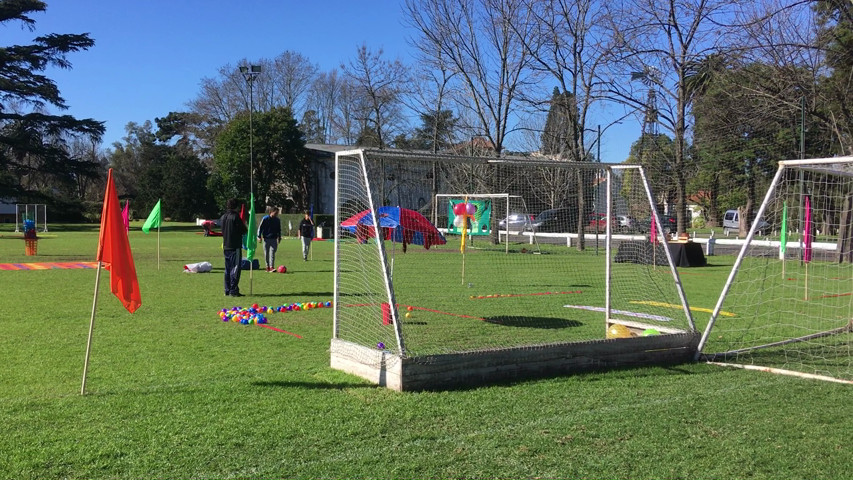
533 322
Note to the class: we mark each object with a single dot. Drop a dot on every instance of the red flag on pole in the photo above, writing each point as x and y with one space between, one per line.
114 251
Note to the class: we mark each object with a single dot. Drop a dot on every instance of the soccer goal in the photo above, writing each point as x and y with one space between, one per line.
498 215
37 212
419 307
787 306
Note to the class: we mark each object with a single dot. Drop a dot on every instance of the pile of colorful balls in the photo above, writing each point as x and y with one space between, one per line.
256 313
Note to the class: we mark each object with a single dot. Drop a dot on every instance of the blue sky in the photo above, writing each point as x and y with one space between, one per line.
150 56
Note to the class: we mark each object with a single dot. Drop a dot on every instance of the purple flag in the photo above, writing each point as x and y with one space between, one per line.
807 233
125 216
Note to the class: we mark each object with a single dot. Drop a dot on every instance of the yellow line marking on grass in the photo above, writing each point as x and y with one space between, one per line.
671 305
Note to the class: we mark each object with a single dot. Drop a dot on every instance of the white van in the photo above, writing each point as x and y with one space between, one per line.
731 222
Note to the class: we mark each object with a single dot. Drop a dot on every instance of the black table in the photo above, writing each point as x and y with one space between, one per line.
687 254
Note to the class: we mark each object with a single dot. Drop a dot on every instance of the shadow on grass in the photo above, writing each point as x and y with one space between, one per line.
584 374
289 294
533 322
314 385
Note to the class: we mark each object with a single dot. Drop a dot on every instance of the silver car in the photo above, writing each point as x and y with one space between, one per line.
518 221
624 223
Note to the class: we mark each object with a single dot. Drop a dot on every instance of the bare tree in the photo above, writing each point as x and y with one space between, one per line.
663 41
476 41
323 98
345 126
292 76
381 83
570 42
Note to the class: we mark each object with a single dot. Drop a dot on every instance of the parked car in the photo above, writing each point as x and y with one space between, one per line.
668 223
731 222
557 220
598 222
625 223
517 221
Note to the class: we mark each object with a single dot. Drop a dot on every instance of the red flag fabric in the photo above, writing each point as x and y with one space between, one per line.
807 233
125 216
653 230
114 251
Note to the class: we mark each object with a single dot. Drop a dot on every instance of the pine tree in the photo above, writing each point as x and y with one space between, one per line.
557 135
32 140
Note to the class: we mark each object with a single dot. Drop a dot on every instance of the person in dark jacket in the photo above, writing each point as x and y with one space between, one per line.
306 233
233 229
270 231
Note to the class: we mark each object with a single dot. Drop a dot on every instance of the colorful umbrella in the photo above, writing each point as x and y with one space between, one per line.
399 225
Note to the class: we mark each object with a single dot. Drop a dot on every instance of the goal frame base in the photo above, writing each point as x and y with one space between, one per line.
440 372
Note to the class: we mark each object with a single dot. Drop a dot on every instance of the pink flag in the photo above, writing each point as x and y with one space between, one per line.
125 215
807 233
653 234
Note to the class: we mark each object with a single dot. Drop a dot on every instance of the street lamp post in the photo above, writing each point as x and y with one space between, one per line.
250 73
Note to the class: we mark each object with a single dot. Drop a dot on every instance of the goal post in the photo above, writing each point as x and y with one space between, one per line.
499 207
787 304
417 308
37 212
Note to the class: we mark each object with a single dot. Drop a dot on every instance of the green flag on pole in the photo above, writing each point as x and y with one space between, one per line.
154 218
252 235
783 241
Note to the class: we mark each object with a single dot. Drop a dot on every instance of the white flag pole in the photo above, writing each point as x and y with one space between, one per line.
91 329
158 247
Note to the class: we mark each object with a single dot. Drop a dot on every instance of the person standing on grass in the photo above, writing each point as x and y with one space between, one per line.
270 231
233 229
306 234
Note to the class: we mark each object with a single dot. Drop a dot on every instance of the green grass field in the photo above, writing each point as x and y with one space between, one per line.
173 392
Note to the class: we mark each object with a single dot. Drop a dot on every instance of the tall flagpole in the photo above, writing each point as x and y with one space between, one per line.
158 246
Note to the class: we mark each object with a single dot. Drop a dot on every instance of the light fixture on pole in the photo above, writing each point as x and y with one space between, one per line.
250 73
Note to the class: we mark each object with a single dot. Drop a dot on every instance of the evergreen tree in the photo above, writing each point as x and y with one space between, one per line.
311 128
34 158
557 138
280 165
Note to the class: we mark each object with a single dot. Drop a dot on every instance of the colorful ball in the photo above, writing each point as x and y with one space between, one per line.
408 314
380 346
650 331
618 331
282 269
460 209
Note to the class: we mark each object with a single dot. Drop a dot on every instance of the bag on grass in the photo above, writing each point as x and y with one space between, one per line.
200 267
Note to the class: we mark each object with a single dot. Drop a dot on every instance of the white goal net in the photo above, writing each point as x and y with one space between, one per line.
415 287
788 303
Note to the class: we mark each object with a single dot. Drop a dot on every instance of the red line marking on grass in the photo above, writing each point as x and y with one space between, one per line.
505 295
278 330
446 313
417 308
836 295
